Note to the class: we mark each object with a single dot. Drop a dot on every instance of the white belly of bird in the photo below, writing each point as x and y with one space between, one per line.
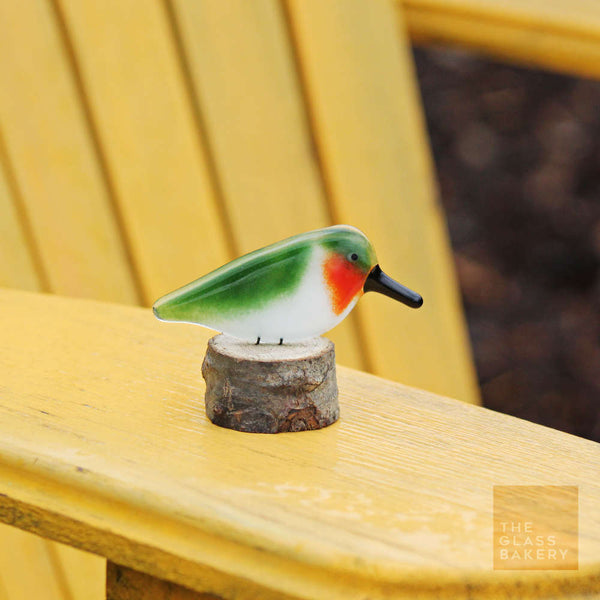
304 313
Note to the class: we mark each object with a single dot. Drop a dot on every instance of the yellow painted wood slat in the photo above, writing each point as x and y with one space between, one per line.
17 266
104 444
84 574
563 35
53 159
139 103
3 592
27 571
371 138
247 90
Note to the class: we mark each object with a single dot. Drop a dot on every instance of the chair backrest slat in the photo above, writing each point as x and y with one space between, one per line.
155 155
53 160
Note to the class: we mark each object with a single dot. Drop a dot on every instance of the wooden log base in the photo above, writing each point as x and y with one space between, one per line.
269 388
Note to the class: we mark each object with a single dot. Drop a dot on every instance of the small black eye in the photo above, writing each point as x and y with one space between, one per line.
354 256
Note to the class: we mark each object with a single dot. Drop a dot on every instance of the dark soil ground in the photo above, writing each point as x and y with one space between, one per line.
518 162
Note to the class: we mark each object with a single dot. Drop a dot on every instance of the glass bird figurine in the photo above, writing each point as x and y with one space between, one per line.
289 291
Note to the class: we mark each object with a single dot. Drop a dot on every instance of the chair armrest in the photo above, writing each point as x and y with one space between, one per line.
104 445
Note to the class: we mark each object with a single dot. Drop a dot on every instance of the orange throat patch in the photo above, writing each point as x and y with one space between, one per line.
344 281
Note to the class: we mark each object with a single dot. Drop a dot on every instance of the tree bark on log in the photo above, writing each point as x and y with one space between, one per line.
267 388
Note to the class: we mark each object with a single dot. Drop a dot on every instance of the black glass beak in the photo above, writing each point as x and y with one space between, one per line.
378 281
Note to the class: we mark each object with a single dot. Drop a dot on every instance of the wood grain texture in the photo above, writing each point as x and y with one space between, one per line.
53 159
558 34
242 70
157 165
104 445
371 137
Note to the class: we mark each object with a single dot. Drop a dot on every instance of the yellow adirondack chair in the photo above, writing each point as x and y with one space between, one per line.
146 143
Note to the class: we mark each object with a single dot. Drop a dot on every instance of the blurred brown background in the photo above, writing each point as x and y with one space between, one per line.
518 161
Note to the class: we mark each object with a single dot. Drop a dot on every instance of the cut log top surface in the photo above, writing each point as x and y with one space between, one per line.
244 351
104 444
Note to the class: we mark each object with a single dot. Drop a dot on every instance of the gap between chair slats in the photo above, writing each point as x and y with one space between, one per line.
20 266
